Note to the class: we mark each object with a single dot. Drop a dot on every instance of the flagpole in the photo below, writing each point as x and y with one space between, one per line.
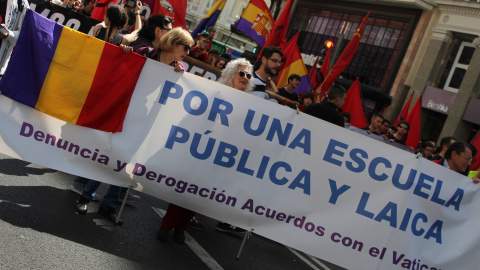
225 43
339 43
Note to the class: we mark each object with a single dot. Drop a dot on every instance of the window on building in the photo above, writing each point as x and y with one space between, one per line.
380 49
458 62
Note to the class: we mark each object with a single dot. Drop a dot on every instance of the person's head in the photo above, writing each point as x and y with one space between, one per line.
392 130
156 27
403 127
376 121
307 98
346 117
220 63
130 20
178 42
238 74
204 40
385 126
459 156
432 141
89 5
427 149
213 56
294 80
271 60
445 143
337 95
115 16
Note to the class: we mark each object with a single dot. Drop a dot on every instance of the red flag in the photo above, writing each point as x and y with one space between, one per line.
179 13
413 118
313 73
325 69
404 113
343 61
476 142
162 10
278 37
101 6
353 105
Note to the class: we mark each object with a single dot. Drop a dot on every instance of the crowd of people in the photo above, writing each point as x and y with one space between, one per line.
156 39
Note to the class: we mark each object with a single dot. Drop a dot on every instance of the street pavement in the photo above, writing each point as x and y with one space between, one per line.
39 229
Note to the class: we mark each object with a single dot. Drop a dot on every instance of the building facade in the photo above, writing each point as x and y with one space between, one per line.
426 47
412 46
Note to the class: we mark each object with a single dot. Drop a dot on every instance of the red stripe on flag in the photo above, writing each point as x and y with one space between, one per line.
112 88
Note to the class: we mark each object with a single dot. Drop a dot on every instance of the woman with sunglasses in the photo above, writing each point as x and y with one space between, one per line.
172 48
236 74
149 36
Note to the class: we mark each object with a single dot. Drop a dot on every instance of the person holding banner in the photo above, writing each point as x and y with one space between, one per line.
271 60
237 74
114 20
402 130
375 122
458 158
149 36
327 109
174 47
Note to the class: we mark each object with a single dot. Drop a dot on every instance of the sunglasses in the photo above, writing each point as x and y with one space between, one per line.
404 127
186 47
243 74
164 28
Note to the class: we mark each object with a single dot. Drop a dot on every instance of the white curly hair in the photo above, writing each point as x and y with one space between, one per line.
231 68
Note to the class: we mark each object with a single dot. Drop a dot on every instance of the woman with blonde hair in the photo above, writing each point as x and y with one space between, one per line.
172 48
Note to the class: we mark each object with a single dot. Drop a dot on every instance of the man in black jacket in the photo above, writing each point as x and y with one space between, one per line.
327 109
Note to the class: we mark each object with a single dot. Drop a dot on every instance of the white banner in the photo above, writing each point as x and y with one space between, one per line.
308 184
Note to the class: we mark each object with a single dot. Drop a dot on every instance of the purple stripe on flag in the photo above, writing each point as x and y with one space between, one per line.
31 59
304 85
246 27
206 22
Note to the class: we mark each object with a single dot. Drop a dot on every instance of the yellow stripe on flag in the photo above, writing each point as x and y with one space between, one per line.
296 67
217 6
73 67
251 12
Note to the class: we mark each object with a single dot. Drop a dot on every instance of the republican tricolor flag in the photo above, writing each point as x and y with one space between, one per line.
210 19
256 21
294 65
71 76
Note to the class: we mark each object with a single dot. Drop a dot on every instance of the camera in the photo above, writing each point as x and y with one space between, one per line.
130 3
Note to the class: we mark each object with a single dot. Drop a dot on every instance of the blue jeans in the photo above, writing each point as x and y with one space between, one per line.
79 182
110 199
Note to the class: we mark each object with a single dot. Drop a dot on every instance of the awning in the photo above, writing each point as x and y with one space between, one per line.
417 4
438 100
